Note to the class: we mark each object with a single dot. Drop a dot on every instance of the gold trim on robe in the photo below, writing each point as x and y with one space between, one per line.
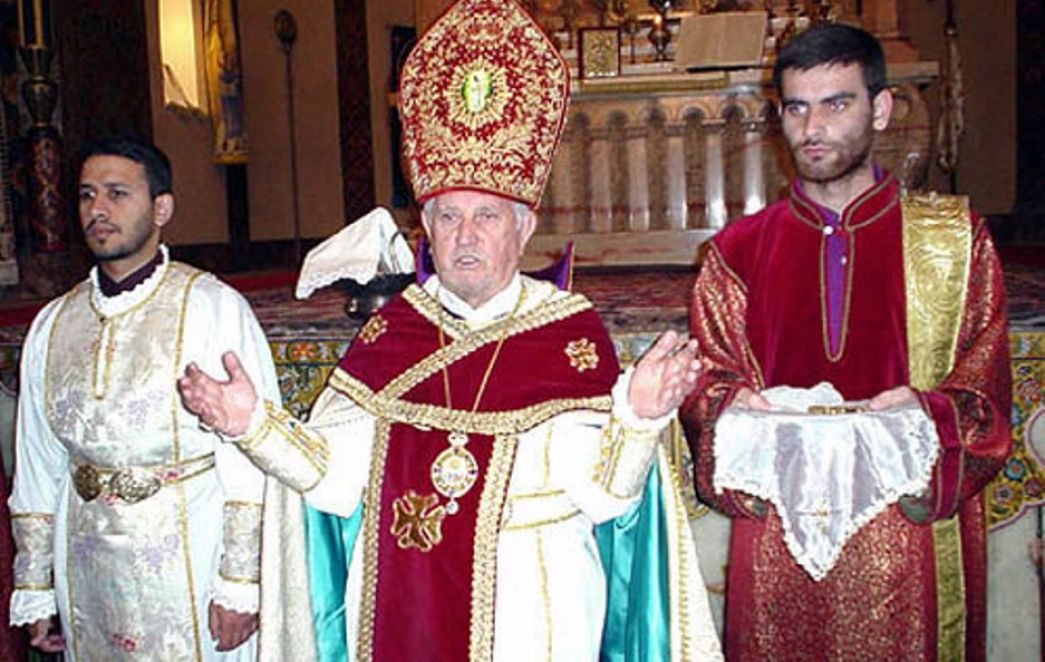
937 241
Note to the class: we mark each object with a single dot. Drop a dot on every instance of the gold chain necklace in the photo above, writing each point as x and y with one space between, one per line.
455 469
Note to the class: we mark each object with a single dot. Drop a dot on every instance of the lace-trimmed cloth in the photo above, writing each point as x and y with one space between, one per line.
826 475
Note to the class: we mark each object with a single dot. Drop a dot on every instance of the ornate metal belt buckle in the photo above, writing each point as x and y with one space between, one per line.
134 484
86 482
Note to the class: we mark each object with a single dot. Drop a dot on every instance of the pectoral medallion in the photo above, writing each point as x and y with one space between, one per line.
454 470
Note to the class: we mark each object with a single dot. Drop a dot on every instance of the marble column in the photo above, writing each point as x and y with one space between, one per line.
638 179
716 177
601 202
754 182
676 176
562 210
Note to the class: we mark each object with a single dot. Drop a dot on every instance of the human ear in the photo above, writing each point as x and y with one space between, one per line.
881 110
162 209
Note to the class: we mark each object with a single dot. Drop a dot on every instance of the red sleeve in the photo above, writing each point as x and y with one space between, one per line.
717 320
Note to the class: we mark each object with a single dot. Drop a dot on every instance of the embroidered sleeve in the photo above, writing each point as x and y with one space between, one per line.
626 446
284 448
239 573
717 319
624 459
33 596
241 561
34 541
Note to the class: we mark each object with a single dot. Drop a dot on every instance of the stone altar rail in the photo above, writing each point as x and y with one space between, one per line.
652 166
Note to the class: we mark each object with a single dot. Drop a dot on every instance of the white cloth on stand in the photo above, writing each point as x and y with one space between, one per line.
369 246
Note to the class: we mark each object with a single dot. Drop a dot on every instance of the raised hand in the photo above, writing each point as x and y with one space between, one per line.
223 406
664 376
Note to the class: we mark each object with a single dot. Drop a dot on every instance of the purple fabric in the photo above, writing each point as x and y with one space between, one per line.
836 257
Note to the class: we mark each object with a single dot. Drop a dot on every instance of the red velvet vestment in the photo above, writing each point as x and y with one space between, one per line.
759 310
430 605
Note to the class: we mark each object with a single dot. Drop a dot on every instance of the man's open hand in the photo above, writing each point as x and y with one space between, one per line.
664 376
223 406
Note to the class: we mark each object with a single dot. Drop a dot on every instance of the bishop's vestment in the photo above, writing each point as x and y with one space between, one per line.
476 516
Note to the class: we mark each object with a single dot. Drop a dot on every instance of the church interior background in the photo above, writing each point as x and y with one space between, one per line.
281 128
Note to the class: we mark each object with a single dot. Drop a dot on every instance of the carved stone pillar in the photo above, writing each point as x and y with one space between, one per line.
754 183
716 177
695 145
638 179
676 175
561 212
601 202
620 167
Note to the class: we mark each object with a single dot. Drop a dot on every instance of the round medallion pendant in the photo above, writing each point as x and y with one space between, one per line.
454 472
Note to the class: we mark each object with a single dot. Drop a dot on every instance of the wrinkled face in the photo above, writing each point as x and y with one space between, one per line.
476 242
120 221
829 118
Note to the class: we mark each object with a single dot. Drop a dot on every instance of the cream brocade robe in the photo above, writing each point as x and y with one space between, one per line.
550 599
133 581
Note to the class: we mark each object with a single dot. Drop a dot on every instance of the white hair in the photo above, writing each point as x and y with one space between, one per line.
519 210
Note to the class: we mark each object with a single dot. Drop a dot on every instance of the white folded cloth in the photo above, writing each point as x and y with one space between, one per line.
826 474
370 245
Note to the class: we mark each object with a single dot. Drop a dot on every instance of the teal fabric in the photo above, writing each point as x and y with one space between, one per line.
633 549
634 555
330 540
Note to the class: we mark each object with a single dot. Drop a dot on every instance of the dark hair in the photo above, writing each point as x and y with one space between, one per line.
833 43
157 165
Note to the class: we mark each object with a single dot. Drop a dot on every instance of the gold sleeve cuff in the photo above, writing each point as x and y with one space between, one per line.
34 560
283 447
241 561
624 459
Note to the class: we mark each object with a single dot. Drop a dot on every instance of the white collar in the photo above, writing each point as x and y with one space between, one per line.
109 306
498 306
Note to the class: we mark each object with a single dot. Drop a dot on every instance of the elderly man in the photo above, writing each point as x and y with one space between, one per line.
479 420
149 524
897 302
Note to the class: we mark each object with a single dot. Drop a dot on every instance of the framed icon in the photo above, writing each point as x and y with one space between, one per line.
599 52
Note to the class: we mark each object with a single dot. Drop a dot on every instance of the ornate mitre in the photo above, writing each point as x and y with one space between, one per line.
483 100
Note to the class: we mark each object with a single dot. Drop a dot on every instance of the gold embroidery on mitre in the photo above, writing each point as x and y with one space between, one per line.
477 94
373 329
416 523
483 98
582 354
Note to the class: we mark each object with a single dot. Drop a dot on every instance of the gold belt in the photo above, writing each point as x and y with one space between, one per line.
134 484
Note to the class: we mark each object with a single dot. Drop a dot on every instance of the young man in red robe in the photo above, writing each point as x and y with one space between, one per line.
894 299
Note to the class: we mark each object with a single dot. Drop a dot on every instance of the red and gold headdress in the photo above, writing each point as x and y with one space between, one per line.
483 100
